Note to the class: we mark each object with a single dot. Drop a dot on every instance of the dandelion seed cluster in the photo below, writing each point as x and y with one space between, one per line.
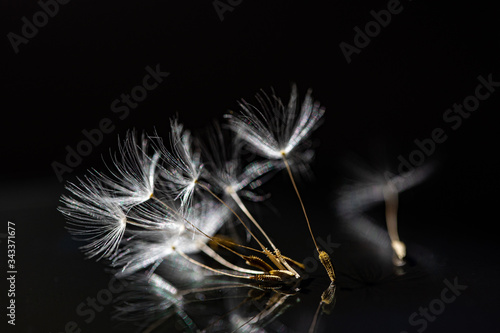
161 203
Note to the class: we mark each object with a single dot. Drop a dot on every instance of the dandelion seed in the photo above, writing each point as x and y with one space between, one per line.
375 187
225 168
95 217
148 247
133 173
274 130
184 165
98 209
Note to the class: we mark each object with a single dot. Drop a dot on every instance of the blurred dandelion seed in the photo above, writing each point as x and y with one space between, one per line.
374 187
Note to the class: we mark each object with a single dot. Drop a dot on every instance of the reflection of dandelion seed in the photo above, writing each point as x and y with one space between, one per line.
161 206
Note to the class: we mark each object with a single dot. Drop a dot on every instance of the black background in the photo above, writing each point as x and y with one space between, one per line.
394 91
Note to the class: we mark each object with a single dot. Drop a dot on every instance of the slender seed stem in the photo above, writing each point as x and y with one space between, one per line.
266 251
240 204
283 154
391 216
232 211
211 253
196 228
277 252
391 211
215 239
322 255
191 260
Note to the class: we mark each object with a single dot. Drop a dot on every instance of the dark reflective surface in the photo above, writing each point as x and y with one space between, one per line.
371 295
